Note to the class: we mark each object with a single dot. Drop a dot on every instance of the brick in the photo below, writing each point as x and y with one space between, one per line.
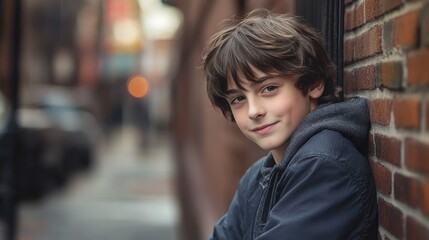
379 111
349 50
407 190
425 198
348 79
391 218
376 8
416 155
372 9
354 17
383 178
368 43
416 230
388 149
406 113
388 5
418 70
388 35
391 74
405 30
359 15
424 26
349 19
365 77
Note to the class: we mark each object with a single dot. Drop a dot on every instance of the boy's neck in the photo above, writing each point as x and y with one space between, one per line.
279 152
277 155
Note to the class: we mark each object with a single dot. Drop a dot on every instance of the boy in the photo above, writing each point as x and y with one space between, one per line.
270 74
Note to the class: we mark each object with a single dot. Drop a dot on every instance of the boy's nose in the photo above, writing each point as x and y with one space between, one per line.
256 109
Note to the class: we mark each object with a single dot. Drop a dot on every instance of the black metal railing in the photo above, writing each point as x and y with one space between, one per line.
327 16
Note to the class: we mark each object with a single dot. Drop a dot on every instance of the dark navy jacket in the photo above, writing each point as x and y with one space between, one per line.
322 189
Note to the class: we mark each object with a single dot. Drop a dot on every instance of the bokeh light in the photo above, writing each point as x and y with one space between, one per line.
138 86
126 32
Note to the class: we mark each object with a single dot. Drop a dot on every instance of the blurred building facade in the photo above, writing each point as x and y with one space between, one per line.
384 59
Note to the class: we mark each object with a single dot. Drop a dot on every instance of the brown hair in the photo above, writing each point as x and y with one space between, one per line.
275 44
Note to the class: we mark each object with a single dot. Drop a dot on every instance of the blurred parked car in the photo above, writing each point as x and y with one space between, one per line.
57 136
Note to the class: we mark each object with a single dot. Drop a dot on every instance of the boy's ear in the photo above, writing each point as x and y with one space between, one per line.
316 89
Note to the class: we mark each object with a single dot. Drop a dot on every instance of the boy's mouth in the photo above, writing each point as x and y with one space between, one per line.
263 128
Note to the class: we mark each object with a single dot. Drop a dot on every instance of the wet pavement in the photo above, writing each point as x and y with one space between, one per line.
128 196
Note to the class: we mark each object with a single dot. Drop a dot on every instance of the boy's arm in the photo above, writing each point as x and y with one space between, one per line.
321 199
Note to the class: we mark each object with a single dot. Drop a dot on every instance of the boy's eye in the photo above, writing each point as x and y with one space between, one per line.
236 100
269 88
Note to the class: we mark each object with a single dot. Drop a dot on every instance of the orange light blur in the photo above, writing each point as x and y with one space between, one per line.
138 86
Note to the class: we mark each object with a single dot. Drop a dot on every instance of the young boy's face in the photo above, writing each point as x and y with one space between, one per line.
268 112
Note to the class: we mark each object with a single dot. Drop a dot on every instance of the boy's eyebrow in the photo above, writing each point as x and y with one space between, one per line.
231 91
263 79
256 81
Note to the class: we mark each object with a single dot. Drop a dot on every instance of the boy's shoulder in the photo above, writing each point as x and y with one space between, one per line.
328 142
333 146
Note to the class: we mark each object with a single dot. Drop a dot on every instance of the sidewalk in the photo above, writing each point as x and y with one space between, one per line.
128 196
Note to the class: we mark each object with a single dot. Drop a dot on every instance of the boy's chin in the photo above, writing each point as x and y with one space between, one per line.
272 146
267 147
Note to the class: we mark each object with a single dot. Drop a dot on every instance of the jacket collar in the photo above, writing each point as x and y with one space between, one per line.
350 118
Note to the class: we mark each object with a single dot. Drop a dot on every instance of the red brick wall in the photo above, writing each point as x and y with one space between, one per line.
386 54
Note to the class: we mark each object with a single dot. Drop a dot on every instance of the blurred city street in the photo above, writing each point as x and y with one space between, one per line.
128 195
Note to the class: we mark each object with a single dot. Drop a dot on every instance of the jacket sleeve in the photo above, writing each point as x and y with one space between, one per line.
228 227
319 199
236 222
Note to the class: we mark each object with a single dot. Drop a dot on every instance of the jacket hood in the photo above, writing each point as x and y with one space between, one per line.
350 118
